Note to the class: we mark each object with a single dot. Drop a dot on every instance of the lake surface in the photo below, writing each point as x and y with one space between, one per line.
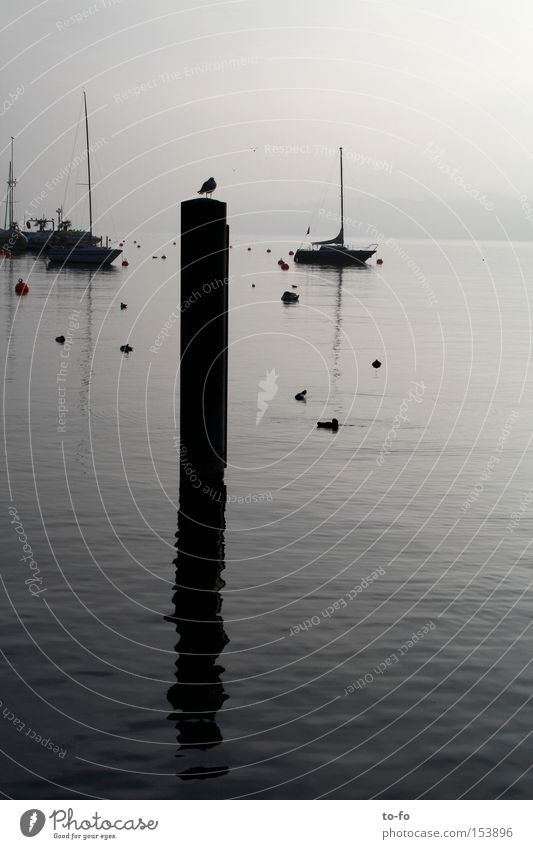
335 549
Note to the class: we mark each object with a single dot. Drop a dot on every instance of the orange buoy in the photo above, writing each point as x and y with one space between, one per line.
379 262
22 288
125 262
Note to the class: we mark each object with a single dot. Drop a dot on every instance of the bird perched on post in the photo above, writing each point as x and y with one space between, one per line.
208 187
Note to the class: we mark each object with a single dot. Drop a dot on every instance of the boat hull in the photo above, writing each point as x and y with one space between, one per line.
40 240
13 241
333 255
83 255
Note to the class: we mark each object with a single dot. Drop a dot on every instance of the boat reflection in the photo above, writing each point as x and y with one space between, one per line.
198 692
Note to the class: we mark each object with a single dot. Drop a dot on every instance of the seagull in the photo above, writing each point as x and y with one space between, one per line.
208 187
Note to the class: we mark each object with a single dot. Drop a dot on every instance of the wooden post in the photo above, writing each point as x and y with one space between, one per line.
204 337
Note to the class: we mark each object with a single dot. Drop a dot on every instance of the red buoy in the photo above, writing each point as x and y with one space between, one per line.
285 266
379 262
163 256
281 261
22 288
121 244
291 253
6 253
125 262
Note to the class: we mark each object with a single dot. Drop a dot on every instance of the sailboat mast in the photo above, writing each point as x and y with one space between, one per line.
88 164
8 197
342 199
11 189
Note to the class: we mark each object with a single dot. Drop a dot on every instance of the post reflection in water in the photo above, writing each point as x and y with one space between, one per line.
199 693
336 370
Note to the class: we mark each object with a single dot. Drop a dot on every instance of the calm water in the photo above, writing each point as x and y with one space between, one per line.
345 707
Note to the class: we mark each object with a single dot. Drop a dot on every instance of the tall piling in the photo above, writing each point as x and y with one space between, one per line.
204 337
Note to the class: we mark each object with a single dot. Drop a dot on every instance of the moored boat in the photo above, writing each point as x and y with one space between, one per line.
84 252
335 251
12 239
40 236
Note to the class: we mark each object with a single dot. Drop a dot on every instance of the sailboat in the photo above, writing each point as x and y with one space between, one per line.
12 239
335 251
85 252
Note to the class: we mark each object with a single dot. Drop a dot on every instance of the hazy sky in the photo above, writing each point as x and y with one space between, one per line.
432 103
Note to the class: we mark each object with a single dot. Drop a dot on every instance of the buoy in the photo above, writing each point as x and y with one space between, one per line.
268 250
22 288
121 244
379 262
253 285
291 253
281 261
60 339
125 262
135 241
6 253
173 243
138 246
249 249
285 266
163 256
376 364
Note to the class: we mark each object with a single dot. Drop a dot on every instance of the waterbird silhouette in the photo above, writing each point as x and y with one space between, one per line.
332 425
126 348
60 339
208 187
300 396
123 306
